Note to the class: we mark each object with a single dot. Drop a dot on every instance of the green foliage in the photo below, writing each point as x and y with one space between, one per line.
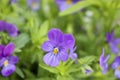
87 20
21 40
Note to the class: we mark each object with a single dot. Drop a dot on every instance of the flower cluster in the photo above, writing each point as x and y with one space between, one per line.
10 28
57 47
113 43
65 4
7 60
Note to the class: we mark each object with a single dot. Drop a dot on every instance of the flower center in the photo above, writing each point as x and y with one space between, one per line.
56 50
118 68
68 1
34 4
5 62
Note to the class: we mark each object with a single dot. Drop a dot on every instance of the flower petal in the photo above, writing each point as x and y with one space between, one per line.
34 4
116 62
8 70
64 6
69 41
115 65
2 61
2 25
102 58
63 55
51 59
12 30
48 46
114 48
109 36
55 35
13 1
73 56
107 58
104 68
117 73
88 71
13 59
9 49
1 50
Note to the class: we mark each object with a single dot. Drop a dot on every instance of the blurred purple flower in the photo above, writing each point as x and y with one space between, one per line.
56 47
13 1
65 4
88 71
7 61
10 28
103 62
34 4
116 66
73 55
113 42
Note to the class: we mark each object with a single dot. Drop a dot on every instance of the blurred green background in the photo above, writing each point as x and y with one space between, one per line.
87 20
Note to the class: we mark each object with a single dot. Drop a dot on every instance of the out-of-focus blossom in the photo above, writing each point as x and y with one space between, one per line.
7 61
10 28
34 4
116 66
13 1
57 46
65 4
113 42
103 62
88 71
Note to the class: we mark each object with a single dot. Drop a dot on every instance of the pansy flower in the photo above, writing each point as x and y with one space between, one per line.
88 71
34 4
103 62
65 4
7 61
8 27
116 66
73 55
13 1
113 42
57 47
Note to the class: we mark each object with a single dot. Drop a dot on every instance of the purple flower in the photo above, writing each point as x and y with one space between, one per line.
103 62
73 55
65 4
113 42
7 61
116 66
57 46
13 1
88 71
34 4
10 28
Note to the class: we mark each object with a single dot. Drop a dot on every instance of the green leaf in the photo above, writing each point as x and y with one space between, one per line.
87 60
50 69
78 6
19 72
65 77
21 40
28 73
43 29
